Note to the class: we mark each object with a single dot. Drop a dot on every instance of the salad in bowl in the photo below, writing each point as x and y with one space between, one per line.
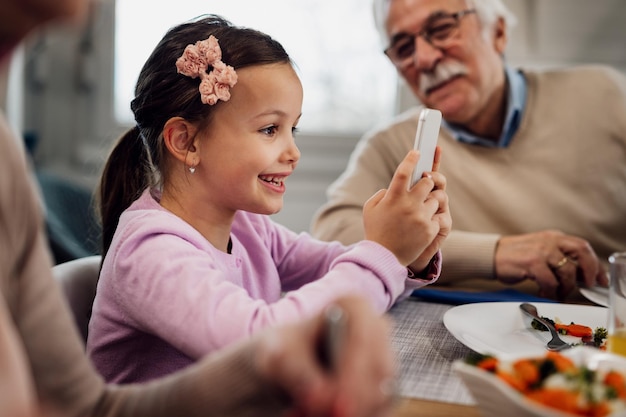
582 381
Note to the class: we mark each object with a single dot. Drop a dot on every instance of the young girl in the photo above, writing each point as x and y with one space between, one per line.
192 260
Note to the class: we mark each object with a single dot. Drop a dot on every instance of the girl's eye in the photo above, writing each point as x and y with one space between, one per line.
270 130
295 131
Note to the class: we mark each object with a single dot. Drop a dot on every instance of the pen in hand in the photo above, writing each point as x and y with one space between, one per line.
372 382
332 338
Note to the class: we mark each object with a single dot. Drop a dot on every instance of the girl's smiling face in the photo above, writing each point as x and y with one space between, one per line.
248 150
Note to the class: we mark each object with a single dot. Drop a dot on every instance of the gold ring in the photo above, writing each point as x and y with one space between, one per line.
561 262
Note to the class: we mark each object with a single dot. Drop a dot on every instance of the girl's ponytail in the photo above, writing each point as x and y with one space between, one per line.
126 174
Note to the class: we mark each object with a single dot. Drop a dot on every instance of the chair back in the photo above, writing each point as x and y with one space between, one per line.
71 224
78 279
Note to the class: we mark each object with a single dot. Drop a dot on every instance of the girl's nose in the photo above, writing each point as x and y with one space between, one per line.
292 153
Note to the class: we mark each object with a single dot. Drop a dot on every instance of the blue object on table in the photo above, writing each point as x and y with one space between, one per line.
466 297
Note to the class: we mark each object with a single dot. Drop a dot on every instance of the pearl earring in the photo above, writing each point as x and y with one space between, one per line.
192 169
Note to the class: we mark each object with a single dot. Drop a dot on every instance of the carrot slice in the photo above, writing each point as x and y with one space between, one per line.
599 410
616 381
574 329
527 370
558 398
488 364
561 363
513 380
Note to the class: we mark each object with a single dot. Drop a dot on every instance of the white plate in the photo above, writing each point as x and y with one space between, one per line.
598 295
501 329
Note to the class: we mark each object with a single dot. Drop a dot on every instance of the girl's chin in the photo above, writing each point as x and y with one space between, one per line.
269 209
275 211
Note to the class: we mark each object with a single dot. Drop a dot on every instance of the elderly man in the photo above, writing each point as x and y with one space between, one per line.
535 160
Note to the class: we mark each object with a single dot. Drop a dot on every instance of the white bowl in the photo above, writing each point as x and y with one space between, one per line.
496 398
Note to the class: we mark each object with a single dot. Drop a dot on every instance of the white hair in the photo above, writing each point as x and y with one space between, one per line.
488 12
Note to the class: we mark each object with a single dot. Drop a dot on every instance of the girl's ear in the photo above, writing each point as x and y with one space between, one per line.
179 136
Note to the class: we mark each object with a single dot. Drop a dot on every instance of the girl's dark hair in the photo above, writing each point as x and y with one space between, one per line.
137 160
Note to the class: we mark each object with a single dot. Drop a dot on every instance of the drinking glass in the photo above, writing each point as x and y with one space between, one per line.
617 304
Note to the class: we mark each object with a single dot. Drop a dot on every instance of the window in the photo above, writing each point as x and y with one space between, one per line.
348 83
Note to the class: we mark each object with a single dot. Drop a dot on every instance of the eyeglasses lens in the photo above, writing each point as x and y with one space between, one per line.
438 33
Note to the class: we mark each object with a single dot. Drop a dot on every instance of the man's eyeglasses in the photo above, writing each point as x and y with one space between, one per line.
439 31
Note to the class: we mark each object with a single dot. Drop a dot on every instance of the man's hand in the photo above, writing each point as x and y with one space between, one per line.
557 262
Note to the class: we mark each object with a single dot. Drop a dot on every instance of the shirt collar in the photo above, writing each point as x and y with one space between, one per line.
516 103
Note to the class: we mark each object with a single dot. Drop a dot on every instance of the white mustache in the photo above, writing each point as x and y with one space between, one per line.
442 73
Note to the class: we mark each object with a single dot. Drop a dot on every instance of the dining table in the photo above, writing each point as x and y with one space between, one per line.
426 383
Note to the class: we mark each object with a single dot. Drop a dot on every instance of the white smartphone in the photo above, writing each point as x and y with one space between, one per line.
426 142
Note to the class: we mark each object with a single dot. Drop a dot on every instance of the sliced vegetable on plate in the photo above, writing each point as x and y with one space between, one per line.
589 337
557 382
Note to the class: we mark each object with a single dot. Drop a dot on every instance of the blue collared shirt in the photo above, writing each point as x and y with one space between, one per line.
516 104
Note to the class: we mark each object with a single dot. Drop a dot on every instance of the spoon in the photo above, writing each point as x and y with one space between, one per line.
556 343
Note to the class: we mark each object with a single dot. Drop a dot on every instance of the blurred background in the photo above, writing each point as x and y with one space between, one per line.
68 90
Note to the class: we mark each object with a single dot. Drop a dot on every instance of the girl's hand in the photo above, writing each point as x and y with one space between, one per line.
443 216
410 223
443 219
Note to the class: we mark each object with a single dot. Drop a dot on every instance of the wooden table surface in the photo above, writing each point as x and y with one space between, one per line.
410 407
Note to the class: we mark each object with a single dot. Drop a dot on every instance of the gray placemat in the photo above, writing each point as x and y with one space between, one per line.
425 352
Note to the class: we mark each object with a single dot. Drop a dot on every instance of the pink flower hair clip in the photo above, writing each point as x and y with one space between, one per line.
196 59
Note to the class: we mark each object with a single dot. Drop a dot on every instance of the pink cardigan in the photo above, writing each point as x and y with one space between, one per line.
166 296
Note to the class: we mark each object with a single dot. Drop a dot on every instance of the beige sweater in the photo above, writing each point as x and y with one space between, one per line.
222 385
564 169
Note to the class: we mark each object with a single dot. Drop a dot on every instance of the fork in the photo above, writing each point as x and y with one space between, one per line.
554 344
